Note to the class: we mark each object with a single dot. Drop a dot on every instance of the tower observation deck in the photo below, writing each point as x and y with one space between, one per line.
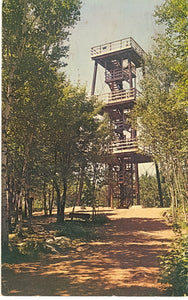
120 60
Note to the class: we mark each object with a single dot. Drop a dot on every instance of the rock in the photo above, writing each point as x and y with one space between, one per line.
52 249
83 247
62 240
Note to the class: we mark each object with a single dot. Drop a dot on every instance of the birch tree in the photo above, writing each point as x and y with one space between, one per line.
161 111
35 27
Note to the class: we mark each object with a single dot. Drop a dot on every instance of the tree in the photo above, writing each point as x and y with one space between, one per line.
33 100
148 189
148 192
74 137
162 108
29 28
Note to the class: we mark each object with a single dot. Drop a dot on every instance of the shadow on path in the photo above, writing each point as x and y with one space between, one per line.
123 263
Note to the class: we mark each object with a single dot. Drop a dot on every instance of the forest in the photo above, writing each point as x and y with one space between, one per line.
54 145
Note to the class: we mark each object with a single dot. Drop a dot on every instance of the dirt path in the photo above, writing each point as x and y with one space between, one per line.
124 263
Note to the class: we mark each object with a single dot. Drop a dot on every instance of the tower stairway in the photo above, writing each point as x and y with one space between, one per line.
120 60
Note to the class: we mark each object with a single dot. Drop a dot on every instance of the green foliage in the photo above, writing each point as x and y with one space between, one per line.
174 266
32 247
149 194
78 230
148 191
87 195
161 110
173 14
42 25
34 43
24 248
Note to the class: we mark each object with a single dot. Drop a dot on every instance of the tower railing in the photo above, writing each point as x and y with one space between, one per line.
114 75
115 46
123 145
118 74
128 145
119 96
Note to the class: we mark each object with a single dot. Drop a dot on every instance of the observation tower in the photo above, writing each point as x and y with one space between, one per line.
120 60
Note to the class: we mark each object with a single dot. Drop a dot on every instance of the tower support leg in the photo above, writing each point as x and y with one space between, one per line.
122 195
159 185
130 76
109 196
137 185
94 79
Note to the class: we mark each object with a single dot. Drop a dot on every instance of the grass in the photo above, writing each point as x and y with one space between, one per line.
100 219
24 246
84 231
78 230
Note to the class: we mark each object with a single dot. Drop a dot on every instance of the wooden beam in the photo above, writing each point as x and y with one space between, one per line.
94 78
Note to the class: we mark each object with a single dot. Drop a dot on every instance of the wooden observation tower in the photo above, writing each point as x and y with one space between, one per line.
120 59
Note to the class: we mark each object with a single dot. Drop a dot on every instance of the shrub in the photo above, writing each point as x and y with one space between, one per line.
24 250
100 219
174 266
149 195
32 247
78 230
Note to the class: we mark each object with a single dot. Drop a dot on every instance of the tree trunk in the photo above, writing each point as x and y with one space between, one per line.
184 191
16 201
45 199
30 207
81 183
5 116
5 201
50 202
25 206
93 189
179 180
26 200
10 187
63 201
58 201
109 196
24 180
159 185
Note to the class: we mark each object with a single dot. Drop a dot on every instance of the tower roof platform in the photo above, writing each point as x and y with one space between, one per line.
122 49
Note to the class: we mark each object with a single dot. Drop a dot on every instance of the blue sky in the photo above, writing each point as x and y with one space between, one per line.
105 21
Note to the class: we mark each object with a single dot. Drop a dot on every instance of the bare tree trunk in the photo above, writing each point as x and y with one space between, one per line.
5 201
50 202
45 199
81 183
93 190
58 201
63 201
178 178
5 117
28 205
110 187
25 206
184 193
23 190
10 201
